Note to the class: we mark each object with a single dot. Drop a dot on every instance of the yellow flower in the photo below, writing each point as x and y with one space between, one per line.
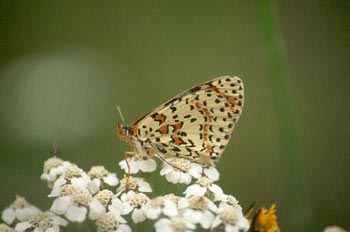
264 220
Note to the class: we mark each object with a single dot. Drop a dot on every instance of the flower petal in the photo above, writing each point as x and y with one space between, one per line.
144 186
195 190
207 219
94 186
22 226
196 170
123 228
148 165
212 173
138 216
61 204
165 170
76 213
111 179
96 209
8 215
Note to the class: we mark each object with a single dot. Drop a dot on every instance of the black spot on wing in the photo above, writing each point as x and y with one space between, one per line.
195 89
173 109
170 101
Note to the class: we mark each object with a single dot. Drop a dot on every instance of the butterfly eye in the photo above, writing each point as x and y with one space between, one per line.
123 130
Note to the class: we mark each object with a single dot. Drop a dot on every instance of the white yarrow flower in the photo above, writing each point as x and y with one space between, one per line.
200 210
42 222
137 164
228 199
119 207
5 228
100 203
334 229
135 184
20 209
161 205
180 170
134 201
53 168
202 186
232 218
72 203
174 224
98 175
212 173
110 222
73 175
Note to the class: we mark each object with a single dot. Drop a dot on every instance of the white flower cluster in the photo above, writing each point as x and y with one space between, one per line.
28 217
100 196
204 204
334 229
79 195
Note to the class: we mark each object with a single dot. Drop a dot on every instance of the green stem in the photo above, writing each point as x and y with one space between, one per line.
297 203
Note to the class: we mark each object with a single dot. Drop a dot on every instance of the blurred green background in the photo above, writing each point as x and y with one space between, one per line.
65 65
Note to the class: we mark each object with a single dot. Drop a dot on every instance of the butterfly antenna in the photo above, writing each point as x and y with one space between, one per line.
55 147
120 113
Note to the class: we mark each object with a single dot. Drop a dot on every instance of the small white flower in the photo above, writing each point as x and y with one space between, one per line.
73 175
119 207
200 210
72 203
174 224
181 171
53 168
5 228
96 209
232 218
137 164
100 174
202 186
229 200
212 173
334 229
99 203
161 205
132 202
135 184
20 209
42 222
110 222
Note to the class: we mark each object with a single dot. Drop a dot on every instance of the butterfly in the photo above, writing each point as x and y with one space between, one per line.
195 125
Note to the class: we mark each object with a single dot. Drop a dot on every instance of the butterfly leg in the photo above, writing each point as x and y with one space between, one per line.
151 150
126 153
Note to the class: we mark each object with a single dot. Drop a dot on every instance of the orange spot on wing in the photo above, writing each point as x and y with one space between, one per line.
230 100
198 105
177 126
207 113
205 127
163 129
214 89
177 140
208 148
160 118
205 134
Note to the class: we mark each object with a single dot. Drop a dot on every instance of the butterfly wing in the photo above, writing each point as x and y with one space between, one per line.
197 124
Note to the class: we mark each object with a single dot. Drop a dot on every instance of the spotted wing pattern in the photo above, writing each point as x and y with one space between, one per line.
196 124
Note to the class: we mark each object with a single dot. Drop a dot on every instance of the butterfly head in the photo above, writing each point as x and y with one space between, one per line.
123 131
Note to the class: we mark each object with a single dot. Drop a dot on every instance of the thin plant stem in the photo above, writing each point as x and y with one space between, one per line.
297 202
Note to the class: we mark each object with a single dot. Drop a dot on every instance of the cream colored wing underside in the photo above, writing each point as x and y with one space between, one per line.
197 124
